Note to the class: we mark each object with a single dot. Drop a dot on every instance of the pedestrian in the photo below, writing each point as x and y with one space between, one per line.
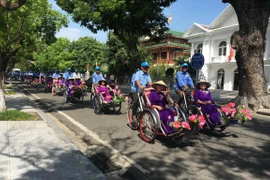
183 82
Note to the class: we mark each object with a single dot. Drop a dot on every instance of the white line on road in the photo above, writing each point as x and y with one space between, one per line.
115 153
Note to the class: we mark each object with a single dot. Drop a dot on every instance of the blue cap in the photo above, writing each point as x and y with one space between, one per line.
97 68
76 70
184 65
68 69
145 64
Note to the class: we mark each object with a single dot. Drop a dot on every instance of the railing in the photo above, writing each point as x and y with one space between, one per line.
222 59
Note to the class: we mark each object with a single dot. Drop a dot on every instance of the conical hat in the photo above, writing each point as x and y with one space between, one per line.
203 81
162 83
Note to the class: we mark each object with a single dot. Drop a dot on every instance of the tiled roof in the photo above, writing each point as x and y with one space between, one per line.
175 33
169 45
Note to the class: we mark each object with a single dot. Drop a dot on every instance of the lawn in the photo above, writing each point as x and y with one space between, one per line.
15 115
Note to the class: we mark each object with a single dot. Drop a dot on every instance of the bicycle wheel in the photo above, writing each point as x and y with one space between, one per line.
148 129
117 108
97 105
65 95
134 124
193 110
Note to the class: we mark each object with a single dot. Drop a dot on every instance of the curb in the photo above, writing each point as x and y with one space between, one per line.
264 112
127 164
89 168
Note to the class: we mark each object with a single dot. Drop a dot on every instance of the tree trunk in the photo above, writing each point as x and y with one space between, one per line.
11 6
2 94
249 42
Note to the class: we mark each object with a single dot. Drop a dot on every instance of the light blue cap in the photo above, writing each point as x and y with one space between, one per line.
145 64
97 68
184 65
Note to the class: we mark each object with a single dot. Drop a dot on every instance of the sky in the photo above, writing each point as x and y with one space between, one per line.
184 14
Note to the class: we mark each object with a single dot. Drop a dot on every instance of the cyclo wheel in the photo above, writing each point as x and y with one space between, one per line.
117 108
148 129
97 105
65 95
134 124
193 110
91 100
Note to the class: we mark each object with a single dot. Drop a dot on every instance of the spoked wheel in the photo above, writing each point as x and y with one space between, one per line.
97 105
65 95
117 108
134 124
91 100
218 128
81 98
148 129
193 110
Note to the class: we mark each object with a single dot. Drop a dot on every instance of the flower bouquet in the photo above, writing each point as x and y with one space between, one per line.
178 125
233 113
119 97
197 120
60 88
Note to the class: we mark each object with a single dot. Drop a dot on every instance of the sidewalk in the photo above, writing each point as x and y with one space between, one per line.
39 149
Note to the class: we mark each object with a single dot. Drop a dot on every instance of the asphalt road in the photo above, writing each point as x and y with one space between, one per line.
242 153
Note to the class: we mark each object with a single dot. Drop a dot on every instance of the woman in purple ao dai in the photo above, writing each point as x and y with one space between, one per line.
103 90
204 100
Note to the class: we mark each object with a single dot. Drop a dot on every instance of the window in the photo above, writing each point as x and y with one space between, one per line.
199 49
154 56
222 48
164 55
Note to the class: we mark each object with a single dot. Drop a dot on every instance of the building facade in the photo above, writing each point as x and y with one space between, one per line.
169 48
213 42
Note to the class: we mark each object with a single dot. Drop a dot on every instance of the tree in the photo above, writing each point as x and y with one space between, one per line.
23 27
11 6
128 19
249 43
88 50
122 60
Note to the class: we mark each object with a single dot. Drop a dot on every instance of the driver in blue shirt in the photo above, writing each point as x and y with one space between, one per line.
97 76
183 81
67 74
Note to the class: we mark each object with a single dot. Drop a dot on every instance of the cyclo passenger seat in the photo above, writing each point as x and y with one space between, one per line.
146 94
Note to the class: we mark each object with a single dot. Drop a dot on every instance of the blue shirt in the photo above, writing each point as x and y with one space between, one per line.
132 83
55 75
182 79
96 77
67 75
143 78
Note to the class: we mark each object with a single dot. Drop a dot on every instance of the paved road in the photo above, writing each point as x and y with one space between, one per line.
243 154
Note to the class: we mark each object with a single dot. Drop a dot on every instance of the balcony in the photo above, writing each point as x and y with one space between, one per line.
222 59
164 61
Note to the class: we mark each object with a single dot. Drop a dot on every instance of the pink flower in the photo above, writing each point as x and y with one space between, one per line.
120 95
126 99
119 91
249 117
201 124
176 124
233 111
225 109
186 125
201 118
193 117
116 87
109 97
231 104
114 90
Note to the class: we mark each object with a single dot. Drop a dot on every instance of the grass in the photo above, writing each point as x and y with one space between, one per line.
7 87
10 92
16 115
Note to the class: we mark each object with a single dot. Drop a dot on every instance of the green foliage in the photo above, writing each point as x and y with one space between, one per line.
128 19
159 70
121 59
27 29
88 50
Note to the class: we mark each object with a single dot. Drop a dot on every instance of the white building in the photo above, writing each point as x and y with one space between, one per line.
213 42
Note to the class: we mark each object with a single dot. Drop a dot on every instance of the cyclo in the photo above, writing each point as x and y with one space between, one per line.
148 119
190 107
111 103
73 91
